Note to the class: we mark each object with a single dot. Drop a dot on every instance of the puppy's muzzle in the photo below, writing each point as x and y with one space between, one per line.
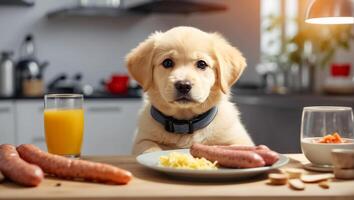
183 88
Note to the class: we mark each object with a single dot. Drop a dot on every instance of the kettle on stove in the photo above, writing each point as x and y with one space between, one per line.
29 71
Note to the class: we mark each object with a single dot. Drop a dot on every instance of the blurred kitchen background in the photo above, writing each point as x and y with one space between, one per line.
51 46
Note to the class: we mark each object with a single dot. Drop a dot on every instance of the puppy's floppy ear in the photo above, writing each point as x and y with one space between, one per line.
139 62
230 62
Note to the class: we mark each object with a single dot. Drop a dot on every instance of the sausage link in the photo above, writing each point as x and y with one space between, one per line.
244 147
226 157
269 156
70 169
18 170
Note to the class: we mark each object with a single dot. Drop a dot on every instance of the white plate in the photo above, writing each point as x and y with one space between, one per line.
151 160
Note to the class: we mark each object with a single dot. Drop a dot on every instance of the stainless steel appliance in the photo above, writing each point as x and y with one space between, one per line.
7 75
29 71
64 84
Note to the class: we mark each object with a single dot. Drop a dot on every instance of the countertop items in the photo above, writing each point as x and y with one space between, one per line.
29 70
279 116
65 84
148 184
7 74
339 80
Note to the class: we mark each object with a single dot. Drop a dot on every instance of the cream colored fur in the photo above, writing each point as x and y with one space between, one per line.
210 87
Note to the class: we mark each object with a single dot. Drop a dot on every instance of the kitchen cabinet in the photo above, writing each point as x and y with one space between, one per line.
29 120
7 122
110 126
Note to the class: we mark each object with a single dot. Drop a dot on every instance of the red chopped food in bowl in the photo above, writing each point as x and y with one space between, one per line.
331 138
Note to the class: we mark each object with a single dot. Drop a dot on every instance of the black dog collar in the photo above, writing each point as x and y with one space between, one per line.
184 126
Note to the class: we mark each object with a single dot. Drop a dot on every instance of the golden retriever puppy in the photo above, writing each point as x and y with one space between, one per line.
186 74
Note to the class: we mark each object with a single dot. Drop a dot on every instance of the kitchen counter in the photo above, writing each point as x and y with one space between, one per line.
148 184
269 116
291 100
96 96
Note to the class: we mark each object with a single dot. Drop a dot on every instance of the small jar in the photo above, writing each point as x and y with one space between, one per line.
340 80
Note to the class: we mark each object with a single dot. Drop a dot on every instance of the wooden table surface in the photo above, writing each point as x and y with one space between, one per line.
148 184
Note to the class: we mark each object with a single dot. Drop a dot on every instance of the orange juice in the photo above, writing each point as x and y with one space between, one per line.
64 130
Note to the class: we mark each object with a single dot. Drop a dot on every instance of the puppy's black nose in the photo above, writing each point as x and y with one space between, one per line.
183 87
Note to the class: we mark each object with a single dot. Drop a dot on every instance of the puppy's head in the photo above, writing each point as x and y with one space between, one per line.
185 66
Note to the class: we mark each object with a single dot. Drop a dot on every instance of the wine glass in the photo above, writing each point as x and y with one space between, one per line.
319 121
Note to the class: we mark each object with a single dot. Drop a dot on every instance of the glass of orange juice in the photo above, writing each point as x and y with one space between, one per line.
64 123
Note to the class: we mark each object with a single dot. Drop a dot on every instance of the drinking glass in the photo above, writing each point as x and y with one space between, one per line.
64 123
318 121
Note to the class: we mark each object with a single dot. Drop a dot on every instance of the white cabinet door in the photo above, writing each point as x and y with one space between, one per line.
110 126
30 125
7 122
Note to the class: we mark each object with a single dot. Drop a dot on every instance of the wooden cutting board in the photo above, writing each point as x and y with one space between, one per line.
148 184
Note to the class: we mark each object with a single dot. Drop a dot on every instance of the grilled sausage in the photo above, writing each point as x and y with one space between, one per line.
226 157
244 147
71 169
269 156
18 170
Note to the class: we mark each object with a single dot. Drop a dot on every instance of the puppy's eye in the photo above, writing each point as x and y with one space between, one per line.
168 63
201 64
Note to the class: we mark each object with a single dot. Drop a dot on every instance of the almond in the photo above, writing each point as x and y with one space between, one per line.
296 184
294 172
278 179
324 184
316 178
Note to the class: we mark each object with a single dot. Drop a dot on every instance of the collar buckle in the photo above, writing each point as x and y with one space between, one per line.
190 126
169 125
173 125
